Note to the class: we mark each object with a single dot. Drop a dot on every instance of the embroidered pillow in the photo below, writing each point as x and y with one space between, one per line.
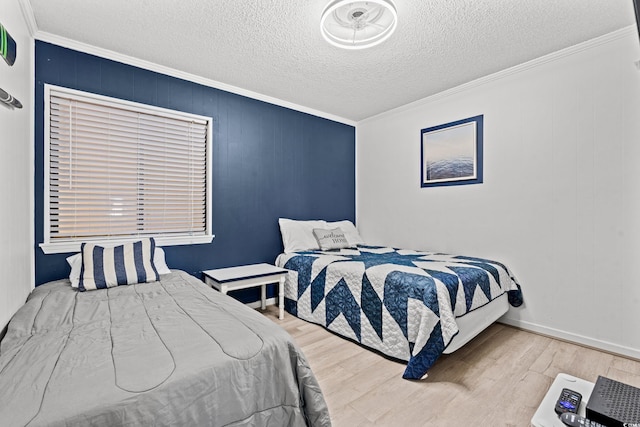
331 239
121 265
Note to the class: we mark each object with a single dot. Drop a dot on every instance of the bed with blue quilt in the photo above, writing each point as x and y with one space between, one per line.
405 304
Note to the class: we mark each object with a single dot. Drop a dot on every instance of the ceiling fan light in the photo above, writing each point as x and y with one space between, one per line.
352 24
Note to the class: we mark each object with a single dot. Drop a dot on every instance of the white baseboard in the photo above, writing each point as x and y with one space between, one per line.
542 330
256 304
573 338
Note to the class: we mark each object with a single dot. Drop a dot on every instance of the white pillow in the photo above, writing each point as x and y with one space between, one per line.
298 235
75 261
159 262
350 231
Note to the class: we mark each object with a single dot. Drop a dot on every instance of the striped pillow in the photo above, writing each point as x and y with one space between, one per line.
121 265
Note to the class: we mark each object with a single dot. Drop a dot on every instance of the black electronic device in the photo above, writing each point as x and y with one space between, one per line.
569 401
9 100
614 404
575 420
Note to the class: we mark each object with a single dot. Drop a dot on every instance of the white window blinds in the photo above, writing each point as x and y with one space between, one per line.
120 170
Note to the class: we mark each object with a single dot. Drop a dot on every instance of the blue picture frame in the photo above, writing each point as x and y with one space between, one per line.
451 154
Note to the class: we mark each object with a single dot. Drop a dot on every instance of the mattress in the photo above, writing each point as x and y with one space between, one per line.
403 303
173 352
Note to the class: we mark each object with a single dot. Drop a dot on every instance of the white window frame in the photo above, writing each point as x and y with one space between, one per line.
73 245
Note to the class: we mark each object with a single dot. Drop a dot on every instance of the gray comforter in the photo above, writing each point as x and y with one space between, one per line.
174 352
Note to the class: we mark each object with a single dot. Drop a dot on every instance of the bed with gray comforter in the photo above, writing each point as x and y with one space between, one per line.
173 352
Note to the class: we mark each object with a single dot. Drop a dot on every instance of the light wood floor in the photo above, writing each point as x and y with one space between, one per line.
497 379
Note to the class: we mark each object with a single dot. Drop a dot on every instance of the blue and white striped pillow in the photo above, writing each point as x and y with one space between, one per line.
121 265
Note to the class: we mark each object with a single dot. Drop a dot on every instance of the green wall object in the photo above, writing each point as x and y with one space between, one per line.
7 46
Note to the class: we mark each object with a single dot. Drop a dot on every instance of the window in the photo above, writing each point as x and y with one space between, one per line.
118 170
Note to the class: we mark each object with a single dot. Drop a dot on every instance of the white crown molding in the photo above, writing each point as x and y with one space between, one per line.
108 54
147 65
555 56
29 17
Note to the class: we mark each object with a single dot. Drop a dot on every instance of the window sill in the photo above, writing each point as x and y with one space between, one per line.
65 247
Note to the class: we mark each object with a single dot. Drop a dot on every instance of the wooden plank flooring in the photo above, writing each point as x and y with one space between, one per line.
497 379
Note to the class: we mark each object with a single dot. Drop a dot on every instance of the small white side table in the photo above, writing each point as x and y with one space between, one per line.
249 276
546 416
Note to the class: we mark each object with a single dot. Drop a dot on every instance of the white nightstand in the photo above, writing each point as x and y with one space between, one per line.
545 416
249 276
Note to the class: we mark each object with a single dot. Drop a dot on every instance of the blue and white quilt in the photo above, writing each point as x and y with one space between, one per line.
402 303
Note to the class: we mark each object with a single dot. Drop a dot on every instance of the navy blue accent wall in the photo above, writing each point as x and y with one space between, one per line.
268 161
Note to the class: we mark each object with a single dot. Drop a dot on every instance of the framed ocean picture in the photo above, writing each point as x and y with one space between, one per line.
451 154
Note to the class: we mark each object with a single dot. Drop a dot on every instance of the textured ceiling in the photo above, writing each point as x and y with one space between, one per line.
274 47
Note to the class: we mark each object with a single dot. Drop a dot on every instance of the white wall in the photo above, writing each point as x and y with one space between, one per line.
560 202
16 169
